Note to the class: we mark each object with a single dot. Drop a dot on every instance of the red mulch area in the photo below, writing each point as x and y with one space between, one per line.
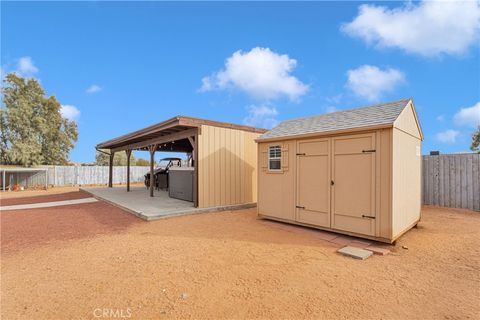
22 229
46 198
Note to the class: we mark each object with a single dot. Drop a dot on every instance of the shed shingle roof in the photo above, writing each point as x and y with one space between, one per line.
378 114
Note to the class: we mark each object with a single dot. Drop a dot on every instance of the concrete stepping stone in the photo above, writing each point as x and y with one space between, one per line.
354 252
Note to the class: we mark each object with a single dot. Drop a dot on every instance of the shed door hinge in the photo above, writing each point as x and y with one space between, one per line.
370 150
301 154
300 207
369 217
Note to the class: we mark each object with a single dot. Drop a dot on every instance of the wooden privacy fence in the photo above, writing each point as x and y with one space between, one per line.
451 180
78 175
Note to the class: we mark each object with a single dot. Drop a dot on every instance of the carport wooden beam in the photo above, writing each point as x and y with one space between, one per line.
185 134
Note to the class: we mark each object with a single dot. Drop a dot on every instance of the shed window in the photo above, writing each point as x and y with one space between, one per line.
274 158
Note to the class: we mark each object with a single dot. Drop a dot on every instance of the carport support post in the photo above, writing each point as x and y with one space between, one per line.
110 170
129 153
152 149
194 143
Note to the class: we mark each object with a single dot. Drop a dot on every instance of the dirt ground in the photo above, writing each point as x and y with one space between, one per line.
95 261
51 190
34 193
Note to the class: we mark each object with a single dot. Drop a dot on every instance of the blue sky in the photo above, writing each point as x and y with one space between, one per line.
120 66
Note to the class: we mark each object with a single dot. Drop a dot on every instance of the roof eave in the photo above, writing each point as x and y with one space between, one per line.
325 133
158 126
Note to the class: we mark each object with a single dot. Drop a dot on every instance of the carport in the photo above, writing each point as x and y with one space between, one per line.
224 159
178 134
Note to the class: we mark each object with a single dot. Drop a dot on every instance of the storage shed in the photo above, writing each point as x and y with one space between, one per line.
224 157
356 172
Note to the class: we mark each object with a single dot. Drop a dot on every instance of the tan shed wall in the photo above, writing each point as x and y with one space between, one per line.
384 184
407 122
277 190
226 167
406 187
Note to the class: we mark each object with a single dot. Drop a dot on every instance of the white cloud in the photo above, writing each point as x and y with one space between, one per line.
261 116
448 136
26 67
261 73
429 28
370 82
70 112
93 88
441 118
468 116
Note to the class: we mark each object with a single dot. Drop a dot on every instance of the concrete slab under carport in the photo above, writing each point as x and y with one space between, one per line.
139 202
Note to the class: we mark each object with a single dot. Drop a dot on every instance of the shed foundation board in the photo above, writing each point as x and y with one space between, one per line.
379 239
139 203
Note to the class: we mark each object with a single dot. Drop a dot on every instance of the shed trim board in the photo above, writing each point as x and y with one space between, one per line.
219 150
325 134
373 178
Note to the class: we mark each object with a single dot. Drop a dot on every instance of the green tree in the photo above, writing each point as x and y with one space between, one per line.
142 162
476 140
119 159
33 130
3 138
55 147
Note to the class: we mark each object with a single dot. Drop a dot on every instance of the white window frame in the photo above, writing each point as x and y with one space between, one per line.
277 156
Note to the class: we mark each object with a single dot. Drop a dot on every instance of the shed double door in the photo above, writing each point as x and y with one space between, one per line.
336 183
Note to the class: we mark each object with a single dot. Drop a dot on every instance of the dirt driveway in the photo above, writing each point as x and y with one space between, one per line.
95 261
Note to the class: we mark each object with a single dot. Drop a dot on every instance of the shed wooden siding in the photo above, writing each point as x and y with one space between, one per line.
384 184
406 176
276 190
397 185
226 166
408 122
406 172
